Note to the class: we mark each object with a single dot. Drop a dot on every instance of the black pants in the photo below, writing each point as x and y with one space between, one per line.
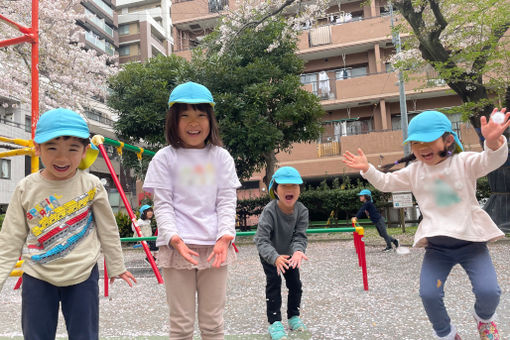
80 307
381 229
274 294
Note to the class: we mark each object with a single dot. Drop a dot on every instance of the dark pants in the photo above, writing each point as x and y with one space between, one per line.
273 292
441 254
80 307
381 229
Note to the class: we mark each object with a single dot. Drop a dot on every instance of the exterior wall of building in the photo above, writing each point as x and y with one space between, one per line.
146 24
14 123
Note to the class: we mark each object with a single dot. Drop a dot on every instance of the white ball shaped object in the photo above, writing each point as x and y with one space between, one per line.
498 117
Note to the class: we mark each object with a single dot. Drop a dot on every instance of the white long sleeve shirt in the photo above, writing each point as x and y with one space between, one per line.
194 194
445 193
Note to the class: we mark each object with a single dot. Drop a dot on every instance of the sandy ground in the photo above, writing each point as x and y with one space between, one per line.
334 305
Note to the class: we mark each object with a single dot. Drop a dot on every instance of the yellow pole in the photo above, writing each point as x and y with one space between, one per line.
18 141
17 152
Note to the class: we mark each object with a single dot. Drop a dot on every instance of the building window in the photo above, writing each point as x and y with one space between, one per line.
351 72
124 51
217 5
5 168
123 29
28 124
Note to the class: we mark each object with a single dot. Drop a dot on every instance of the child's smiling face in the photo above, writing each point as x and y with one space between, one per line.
288 195
61 157
193 128
429 153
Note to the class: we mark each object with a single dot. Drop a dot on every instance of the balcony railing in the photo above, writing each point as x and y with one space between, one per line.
101 4
99 118
93 39
99 23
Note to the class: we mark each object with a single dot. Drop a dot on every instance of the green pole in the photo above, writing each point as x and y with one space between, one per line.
128 147
249 233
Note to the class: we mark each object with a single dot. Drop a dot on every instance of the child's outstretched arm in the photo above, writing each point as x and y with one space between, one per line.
126 276
358 162
220 250
492 131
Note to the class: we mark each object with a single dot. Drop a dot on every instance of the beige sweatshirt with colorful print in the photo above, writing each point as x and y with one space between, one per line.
60 227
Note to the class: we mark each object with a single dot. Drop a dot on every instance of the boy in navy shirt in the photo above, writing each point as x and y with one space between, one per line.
368 208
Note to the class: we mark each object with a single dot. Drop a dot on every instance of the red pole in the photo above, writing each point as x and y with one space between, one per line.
30 35
363 264
34 33
105 280
98 141
359 245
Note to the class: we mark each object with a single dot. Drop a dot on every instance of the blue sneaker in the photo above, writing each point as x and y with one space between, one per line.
276 331
296 324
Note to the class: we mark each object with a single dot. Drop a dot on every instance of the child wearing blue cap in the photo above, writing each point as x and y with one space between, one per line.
281 242
194 182
145 224
62 215
368 209
454 229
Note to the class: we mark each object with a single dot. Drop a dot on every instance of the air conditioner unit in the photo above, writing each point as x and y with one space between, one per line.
195 27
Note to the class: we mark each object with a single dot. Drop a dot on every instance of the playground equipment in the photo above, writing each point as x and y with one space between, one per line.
98 141
357 231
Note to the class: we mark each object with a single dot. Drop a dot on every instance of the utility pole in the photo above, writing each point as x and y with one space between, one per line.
403 105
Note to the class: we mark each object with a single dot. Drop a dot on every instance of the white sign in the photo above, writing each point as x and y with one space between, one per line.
402 199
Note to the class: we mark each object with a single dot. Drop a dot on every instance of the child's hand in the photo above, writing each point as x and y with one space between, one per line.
297 257
359 162
492 131
126 276
220 250
282 263
183 249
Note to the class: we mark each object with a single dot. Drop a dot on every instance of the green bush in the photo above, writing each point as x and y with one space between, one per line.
124 224
2 217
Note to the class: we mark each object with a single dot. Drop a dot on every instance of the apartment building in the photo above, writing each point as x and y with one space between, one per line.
144 29
100 26
346 57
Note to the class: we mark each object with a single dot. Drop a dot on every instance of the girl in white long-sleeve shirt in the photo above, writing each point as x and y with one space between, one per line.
454 229
194 184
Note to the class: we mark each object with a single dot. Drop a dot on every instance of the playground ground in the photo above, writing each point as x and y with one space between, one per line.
334 305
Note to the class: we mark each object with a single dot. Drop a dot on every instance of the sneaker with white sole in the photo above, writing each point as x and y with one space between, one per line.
276 331
295 324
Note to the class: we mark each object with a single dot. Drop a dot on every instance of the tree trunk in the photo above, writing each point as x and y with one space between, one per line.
498 205
270 159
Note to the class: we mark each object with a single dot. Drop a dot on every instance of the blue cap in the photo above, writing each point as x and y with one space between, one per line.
429 126
284 175
365 192
144 207
190 93
60 122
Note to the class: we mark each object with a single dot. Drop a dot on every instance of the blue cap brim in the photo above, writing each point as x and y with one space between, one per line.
44 137
191 101
430 137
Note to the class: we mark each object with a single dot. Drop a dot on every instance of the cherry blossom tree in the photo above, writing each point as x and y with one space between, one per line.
465 42
69 74
257 14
